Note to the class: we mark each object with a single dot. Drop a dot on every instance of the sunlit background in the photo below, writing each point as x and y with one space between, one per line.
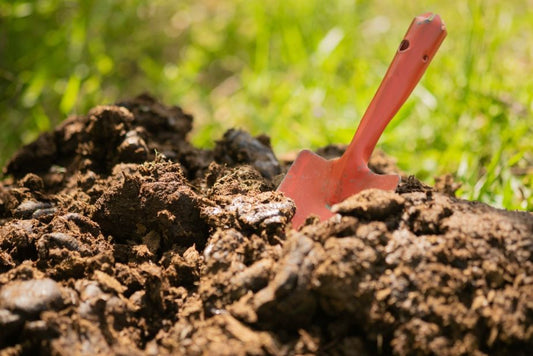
302 72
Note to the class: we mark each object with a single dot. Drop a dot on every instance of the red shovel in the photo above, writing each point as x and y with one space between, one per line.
315 184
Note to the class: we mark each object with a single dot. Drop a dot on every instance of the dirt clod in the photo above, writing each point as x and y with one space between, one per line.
371 203
239 147
117 236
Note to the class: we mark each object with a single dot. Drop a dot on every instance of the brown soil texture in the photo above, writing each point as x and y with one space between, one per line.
117 236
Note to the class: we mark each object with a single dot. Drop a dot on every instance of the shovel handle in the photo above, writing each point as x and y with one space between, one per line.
417 49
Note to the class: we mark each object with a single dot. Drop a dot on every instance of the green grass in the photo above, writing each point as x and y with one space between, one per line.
301 71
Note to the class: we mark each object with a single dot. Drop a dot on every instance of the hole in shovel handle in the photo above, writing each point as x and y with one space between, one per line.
404 46
425 58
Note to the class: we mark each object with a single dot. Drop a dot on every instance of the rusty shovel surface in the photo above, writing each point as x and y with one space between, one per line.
314 183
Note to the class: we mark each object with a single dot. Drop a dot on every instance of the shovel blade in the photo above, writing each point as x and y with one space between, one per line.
305 184
315 184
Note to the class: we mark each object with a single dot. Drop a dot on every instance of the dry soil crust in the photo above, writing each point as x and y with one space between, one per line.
109 247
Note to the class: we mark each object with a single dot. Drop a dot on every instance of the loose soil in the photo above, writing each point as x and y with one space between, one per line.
117 236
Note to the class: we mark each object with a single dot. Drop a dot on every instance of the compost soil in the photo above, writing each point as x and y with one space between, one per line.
117 236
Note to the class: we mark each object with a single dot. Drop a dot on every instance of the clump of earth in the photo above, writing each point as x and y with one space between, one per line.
118 236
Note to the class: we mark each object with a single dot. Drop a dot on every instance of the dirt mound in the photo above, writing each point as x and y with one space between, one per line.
117 236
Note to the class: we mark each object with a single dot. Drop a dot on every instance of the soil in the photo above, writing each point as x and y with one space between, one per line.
117 236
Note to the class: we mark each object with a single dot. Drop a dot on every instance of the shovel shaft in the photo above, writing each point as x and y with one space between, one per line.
414 54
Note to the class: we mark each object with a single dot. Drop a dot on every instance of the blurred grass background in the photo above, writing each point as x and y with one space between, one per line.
301 71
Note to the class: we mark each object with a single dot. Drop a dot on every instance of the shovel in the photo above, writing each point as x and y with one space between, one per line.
314 183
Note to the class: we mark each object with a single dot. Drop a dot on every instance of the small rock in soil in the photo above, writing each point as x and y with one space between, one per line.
31 297
27 208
